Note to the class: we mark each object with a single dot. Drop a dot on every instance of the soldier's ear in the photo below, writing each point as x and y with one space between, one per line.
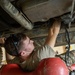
23 53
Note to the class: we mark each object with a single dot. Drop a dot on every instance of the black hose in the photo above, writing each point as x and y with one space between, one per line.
68 42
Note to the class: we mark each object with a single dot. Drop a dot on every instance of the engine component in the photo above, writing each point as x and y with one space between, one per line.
14 13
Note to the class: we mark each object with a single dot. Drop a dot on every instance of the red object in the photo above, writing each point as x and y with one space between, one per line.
49 66
72 67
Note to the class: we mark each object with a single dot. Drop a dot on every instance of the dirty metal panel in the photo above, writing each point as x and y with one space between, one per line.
43 31
61 40
42 10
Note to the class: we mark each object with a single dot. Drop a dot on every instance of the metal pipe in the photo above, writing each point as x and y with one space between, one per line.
14 13
72 11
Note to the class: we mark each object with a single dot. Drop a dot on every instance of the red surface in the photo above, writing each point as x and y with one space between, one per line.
49 66
72 67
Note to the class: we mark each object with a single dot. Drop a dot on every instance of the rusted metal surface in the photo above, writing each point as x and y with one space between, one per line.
42 10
